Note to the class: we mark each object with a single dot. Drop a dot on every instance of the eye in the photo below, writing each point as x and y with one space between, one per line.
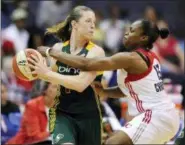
88 21
132 30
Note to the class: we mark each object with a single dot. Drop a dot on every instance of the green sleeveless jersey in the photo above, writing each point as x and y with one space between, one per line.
70 101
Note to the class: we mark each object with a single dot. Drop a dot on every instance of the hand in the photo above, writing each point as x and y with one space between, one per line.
42 50
39 66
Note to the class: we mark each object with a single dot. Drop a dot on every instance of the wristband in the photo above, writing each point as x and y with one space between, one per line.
47 52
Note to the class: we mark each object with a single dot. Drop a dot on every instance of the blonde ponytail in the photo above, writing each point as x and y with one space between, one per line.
63 29
60 30
54 29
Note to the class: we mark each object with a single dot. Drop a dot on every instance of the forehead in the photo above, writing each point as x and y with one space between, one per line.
87 14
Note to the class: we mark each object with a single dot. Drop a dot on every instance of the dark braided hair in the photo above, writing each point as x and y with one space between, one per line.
153 32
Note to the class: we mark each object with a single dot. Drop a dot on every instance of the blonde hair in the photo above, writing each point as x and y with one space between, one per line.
63 29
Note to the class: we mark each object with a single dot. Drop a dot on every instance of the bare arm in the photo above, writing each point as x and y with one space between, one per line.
117 61
78 82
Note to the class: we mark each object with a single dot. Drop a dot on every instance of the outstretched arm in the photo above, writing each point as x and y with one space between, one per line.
117 61
77 82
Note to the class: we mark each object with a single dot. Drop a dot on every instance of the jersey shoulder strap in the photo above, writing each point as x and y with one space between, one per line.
64 46
145 58
90 45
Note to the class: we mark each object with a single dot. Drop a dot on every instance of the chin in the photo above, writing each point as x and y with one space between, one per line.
126 44
89 37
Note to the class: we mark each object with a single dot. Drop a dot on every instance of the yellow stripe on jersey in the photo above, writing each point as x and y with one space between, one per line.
98 73
65 43
90 45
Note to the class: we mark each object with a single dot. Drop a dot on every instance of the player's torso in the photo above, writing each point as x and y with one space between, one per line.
144 91
71 101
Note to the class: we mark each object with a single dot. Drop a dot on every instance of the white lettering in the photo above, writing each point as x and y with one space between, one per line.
67 69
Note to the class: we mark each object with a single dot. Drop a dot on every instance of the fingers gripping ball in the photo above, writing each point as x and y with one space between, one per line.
20 64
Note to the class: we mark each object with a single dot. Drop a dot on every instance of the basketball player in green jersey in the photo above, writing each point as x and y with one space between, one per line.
75 118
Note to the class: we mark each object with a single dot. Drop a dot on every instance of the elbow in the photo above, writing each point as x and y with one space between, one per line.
80 88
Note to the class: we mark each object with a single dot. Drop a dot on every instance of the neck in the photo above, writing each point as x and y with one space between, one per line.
130 48
76 41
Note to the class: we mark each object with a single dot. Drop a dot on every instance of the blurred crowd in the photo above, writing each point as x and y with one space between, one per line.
23 26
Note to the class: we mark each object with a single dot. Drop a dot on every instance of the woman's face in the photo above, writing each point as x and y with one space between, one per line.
51 91
133 37
85 26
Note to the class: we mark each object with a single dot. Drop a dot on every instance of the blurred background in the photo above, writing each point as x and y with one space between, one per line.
23 25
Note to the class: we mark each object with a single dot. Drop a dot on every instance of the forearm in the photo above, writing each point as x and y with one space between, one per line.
71 82
113 92
85 64
71 60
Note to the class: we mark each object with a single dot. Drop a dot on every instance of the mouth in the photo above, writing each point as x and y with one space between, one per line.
91 32
125 38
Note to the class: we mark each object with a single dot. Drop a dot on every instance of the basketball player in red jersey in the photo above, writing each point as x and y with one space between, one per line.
139 78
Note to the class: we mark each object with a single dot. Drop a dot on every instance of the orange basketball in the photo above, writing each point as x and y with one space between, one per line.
20 64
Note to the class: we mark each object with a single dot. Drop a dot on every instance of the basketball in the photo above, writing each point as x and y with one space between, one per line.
20 64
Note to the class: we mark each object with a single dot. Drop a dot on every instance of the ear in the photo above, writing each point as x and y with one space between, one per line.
73 24
144 38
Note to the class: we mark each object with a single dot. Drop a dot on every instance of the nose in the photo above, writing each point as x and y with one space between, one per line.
126 33
92 25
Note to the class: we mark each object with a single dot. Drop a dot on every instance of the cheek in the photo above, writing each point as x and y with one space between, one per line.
54 91
81 29
84 26
49 91
133 39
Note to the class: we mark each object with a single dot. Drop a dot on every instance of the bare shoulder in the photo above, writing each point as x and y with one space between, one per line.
97 51
57 46
134 55
135 58
100 50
